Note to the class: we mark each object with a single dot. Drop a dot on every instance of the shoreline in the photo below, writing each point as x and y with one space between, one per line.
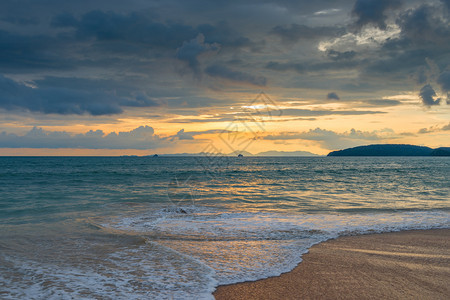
409 264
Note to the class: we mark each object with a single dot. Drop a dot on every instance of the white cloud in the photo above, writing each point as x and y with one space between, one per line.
368 38
327 12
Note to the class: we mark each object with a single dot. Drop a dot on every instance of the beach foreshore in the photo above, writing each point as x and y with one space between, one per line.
399 265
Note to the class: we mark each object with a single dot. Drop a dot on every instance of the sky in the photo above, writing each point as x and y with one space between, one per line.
139 77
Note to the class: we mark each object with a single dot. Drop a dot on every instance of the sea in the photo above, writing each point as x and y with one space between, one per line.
177 227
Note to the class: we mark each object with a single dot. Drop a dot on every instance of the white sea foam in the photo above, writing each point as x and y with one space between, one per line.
191 250
242 246
148 272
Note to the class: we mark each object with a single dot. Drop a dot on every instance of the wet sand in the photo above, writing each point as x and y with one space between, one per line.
400 265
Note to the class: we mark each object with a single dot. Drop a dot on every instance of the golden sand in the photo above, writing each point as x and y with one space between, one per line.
400 265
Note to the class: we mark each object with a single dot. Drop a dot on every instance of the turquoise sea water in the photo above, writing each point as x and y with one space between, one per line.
176 227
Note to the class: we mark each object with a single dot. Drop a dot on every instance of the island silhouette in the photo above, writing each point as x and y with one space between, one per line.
392 150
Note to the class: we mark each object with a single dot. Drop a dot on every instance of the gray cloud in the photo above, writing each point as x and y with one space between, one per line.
424 37
336 55
424 24
360 103
189 135
333 140
444 81
142 30
181 135
383 102
312 67
190 51
21 53
295 32
421 75
99 38
435 128
20 20
225 36
124 94
237 76
142 138
55 95
204 120
277 66
333 96
446 3
373 12
135 28
312 113
427 94
55 100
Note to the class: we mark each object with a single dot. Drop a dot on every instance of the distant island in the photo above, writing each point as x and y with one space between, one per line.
392 150
246 153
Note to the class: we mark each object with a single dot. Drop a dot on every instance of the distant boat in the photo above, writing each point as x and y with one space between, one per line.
155 155
240 155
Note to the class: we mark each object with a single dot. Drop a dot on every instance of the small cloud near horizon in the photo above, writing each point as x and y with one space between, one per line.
333 96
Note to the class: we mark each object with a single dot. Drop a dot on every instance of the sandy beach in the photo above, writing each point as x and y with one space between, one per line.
399 265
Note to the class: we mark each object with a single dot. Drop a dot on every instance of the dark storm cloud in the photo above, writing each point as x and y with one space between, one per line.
277 66
314 66
333 96
124 93
424 36
190 51
113 30
134 28
142 138
20 20
150 40
64 20
100 38
142 29
427 94
444 81
373 12
224 35
336 55
421 75
140 100
55 100
425 24
237 76
22 53
397 62
446 3
295 32
65 96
